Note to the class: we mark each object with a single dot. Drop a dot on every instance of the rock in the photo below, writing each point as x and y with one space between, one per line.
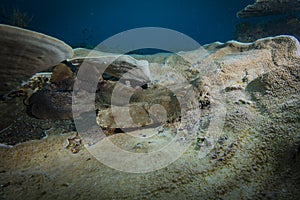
47 104
208 84
135 108
252 31
105 90
117 66
9 111
62 76
269 7
124 117
218 75
257 58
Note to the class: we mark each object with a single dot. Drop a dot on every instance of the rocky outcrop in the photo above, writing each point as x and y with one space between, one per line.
269 7
47 104
251 31
111 65
62 77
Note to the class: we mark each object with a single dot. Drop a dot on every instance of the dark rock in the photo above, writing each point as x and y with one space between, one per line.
269 7
50 105
62 77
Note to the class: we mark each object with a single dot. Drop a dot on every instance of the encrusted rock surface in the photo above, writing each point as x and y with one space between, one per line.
255 154
269 7
251 31
62 77
113 65
47 104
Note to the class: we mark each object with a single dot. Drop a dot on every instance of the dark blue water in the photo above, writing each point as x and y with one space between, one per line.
89 22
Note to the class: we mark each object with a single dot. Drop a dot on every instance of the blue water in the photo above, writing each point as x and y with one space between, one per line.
89 22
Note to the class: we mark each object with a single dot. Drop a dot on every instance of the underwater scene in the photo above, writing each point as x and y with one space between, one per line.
165 99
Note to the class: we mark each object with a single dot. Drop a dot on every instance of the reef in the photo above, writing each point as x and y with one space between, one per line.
246 143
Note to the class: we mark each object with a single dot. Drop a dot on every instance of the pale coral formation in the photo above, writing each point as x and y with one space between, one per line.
24 52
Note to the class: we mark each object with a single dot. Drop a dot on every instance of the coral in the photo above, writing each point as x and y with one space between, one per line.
24 53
